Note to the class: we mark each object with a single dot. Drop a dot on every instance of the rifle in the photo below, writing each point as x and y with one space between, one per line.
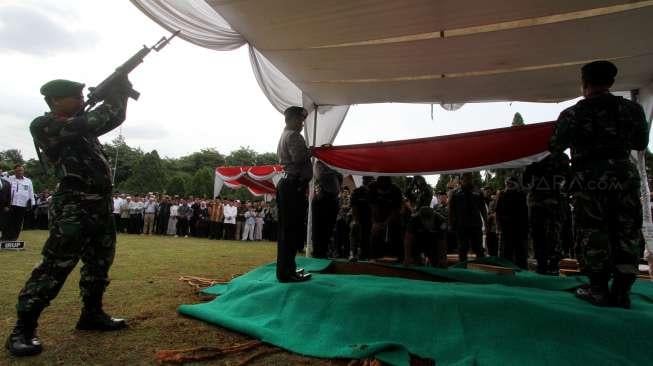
103 89
100 92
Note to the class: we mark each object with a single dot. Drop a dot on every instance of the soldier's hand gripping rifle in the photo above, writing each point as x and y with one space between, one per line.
100 92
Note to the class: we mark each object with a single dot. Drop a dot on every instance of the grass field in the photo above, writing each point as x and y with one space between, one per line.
145 289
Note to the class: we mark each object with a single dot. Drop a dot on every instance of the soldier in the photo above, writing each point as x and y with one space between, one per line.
361 221
419 193
467 215
291 194
601 130
81 222
512 223
546 209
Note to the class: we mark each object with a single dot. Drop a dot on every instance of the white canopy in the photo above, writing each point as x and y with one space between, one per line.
329 54
340 52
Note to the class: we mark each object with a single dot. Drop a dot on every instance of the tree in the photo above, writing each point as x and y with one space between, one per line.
176 186
40 179
517 120
205 158
127 156
12 157
201 184
148 175
267 159
443 181
242 156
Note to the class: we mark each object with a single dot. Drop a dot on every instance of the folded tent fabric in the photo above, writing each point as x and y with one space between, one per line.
257 179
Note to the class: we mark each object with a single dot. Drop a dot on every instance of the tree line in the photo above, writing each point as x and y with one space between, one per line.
139 172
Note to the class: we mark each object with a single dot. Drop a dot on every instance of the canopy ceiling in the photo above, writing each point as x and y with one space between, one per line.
342 52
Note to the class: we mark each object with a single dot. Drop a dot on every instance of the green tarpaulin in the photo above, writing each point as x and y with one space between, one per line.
477 318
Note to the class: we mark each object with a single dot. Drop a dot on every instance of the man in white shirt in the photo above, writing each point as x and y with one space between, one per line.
118 200
230 213
149 211
22 198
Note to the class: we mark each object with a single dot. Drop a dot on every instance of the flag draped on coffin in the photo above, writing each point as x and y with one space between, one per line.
259 180
509 147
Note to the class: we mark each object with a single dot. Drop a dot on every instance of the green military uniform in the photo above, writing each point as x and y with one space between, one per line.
81 224
546 209
80 214
601 130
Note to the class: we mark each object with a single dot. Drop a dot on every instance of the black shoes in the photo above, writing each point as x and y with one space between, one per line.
94 318
23 340
597 292
99 320
297 277
593 295
620 291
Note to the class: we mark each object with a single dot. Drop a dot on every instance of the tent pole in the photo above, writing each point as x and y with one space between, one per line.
311 190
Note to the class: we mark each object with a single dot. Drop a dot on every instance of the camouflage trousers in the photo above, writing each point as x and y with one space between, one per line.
608 229
81 227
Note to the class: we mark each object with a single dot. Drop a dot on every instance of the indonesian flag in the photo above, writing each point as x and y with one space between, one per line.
509 147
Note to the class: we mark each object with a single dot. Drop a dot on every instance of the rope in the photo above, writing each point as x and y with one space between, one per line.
258 354
200 283
201 353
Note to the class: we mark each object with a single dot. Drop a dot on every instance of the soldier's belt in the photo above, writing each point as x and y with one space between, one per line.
83 195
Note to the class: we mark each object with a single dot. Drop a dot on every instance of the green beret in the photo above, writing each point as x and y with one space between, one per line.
61 88
599 72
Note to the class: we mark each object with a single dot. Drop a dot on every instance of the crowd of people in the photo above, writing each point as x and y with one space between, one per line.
531 215
419 226
153 214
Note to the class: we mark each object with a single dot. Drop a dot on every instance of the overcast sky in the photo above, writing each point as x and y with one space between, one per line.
191 98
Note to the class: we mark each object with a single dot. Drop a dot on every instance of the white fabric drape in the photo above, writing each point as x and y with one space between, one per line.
645 98
200 24
217 185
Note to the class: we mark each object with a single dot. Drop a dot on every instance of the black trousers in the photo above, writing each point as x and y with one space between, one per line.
14 222
116 219
325 211
514 247
215 230
229 231
182 226
4 216
162 224
291 201
470 237
492 241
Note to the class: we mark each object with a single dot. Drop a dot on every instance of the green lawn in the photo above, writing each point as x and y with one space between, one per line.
144 289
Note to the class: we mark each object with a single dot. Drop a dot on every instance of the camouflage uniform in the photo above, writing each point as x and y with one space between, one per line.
546 210
81 223
601 131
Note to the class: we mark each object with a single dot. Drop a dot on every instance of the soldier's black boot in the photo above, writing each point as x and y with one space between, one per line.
23 340
94 318
620 291
597 291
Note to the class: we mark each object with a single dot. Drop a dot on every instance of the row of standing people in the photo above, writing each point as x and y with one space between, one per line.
194 217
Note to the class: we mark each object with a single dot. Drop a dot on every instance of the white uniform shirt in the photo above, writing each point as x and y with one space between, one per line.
173 210
230 213
21 191
117 202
